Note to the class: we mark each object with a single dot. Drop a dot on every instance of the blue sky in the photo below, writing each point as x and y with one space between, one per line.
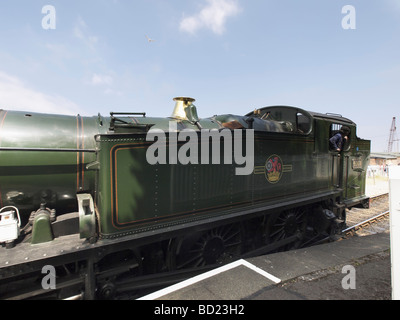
230 55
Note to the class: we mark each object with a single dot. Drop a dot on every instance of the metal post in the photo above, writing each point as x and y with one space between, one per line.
394 199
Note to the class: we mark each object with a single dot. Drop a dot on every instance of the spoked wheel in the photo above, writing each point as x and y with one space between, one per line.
217 246
114 273
285 225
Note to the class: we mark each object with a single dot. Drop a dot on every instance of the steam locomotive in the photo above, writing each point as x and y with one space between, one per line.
105 200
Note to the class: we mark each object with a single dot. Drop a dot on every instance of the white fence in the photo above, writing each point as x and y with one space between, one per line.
381 171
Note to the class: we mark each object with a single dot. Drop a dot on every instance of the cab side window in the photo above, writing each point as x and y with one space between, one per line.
335 130
303 123
291 120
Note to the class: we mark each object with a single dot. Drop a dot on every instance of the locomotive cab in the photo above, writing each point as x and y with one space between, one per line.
347 167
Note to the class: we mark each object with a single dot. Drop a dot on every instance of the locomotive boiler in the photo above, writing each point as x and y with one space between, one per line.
108 199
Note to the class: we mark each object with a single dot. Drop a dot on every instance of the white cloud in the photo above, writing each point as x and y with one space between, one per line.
212 16
15 95
113 92
100 79
81 32
104 81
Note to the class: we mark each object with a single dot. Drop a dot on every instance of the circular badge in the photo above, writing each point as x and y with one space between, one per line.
273 169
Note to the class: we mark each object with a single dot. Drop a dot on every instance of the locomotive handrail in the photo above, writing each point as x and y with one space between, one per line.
334 114
117 122
48 150
143 126
129 114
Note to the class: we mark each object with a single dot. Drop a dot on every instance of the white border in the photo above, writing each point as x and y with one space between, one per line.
186 283
394 208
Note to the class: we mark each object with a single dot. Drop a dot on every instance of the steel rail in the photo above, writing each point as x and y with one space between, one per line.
367 221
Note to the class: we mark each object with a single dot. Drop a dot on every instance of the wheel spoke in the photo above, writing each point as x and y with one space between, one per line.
196 258
285 225
217 245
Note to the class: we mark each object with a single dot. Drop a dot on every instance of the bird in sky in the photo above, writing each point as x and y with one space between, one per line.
149 40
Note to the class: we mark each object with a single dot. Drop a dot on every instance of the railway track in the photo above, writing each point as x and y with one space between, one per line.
374 220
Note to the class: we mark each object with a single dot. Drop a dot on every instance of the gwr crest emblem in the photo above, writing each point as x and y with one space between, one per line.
274 169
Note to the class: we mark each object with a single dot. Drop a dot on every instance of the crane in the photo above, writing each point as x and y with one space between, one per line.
392 135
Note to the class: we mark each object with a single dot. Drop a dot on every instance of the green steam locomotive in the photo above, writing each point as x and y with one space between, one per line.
105 200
